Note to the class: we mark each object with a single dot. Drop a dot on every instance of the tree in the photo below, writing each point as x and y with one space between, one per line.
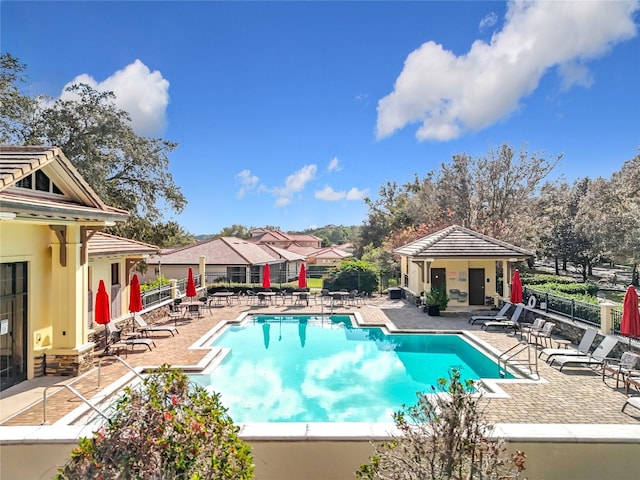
443 437
239 231
18 111
167 428
491 194
554 223
128 171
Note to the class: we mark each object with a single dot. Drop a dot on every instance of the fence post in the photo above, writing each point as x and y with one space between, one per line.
202 266
573 308
606 317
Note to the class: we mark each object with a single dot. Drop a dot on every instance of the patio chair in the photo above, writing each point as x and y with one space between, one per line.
324 294
264 299
501 315
512 323
302 297
621 367
583 347
595 358
536 326
544 334
252 298
144 328
116 338
176 313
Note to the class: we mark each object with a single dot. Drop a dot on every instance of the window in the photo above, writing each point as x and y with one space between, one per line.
115 274
40 182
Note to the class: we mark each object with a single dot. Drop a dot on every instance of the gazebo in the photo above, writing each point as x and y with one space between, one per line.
461 261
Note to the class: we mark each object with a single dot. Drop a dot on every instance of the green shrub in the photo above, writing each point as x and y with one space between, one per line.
443 437
541 278
165 429
158 282
584 292
352 275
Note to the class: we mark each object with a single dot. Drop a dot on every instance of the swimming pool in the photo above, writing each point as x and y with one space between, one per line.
323 369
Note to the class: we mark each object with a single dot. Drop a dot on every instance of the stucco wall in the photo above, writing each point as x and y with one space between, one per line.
457 276
22 242
338 460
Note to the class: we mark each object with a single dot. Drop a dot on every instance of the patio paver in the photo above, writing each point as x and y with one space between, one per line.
574 396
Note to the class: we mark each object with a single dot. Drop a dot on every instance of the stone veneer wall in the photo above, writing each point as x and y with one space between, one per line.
69 365
38 366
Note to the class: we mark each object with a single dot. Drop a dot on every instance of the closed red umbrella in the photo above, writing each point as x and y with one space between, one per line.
102 310
135 299
630 321
302 278
266 277
516 287
191 284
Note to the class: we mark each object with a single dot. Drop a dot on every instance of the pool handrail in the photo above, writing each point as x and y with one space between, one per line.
116 357
73 391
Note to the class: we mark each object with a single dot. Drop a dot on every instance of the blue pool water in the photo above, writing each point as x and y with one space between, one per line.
321 369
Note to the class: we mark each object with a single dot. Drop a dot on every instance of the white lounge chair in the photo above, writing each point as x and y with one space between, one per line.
501 315
633 401
512 323
583 347
595 358
143 327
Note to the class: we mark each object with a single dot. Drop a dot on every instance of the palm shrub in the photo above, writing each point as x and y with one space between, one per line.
443 437
167 428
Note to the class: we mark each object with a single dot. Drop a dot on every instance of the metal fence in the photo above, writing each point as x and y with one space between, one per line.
568 307
156 295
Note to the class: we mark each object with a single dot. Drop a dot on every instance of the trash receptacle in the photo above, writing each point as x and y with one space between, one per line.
395 293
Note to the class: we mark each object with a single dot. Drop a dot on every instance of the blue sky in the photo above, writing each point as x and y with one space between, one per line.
288 113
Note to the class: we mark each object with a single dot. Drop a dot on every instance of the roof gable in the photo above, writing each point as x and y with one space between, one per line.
460 242
72 196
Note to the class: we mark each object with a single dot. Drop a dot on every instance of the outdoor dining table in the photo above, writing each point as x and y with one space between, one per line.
302 296
266 296
218 296
193 309
338 297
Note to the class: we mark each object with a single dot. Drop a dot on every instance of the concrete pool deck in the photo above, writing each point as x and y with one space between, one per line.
573 403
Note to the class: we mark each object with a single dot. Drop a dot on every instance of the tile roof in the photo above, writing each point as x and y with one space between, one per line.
330 252
219 251
460 242
104 244
288 255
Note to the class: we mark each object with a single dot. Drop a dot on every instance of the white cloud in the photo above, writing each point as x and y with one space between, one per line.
247 180
451 94
488 21
356 194
334 165
293 184
140 92
328 194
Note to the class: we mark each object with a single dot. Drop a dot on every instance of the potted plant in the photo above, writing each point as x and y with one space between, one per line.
437 300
